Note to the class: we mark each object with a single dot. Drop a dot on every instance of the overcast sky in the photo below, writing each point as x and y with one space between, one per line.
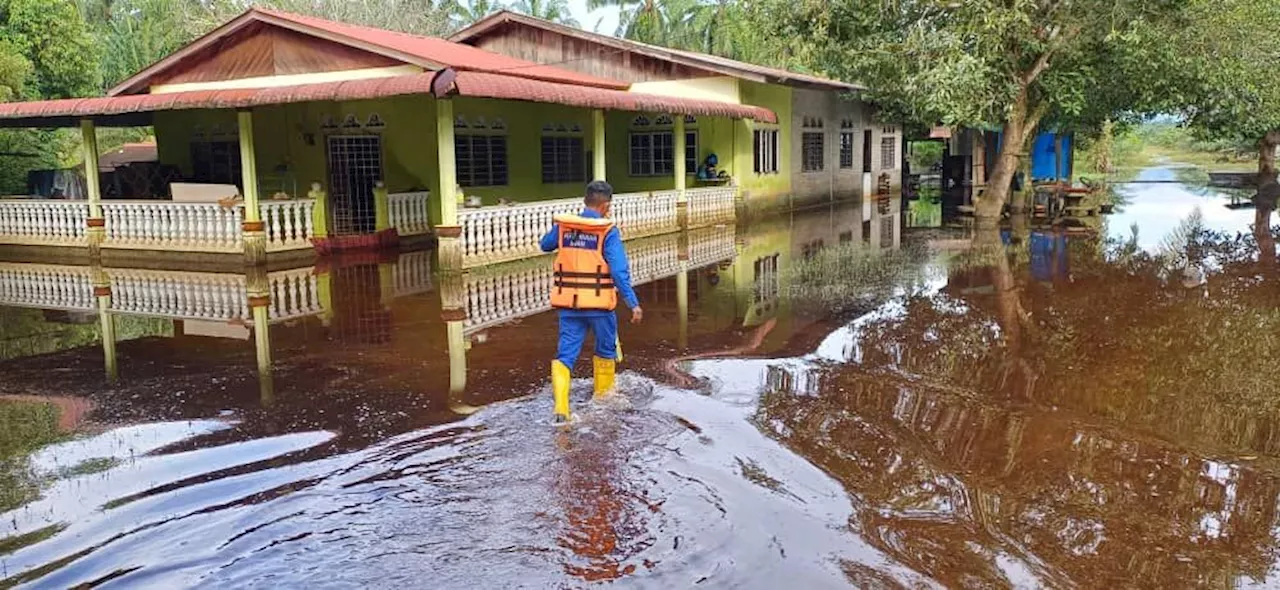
606 18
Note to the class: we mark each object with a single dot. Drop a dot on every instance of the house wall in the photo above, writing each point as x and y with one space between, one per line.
715 136
762 193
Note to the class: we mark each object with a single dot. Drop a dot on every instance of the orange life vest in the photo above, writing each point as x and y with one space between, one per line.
582 279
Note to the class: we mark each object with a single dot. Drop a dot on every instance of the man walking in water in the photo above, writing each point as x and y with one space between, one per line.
591 271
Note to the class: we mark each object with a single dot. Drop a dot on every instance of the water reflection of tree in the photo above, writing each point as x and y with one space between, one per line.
953 485
1072 424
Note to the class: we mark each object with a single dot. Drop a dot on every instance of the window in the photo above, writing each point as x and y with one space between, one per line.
563 160
765 150
812 151
846 237
653 153
846 150
765 281
691 152
866 151
216 162
888 153
481 159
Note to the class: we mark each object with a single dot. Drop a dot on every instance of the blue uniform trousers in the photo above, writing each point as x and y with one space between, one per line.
574 326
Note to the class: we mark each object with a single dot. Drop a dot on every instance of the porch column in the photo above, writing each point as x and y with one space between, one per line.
682 199
96 226
458 346
381 207
258 294
682 307
319 213
597 145
255 236
106 324
449 232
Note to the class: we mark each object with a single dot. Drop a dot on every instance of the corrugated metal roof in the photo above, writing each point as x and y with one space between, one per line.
428 52
65 112
713 63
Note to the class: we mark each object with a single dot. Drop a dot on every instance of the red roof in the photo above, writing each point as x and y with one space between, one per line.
428 52
66 112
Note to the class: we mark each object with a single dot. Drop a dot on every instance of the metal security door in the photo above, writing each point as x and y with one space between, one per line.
355 164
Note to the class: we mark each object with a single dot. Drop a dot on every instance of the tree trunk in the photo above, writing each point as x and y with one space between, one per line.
1000 177
1265 201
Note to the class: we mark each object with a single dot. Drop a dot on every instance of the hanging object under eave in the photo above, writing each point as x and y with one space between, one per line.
940 133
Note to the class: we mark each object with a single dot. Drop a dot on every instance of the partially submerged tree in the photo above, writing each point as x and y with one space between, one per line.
1236 94
1006 64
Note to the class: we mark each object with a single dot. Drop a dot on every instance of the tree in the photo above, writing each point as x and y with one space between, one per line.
556 11
467 14
53 36
1008 64
1236 96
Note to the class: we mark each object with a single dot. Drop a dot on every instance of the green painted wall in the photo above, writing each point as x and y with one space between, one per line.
715 136
765 191
291 144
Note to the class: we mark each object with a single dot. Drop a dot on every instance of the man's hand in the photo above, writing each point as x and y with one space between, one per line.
637 315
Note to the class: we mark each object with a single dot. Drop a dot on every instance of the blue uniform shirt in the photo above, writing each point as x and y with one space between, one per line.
614 255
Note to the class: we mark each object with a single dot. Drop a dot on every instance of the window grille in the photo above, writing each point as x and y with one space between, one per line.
355 165
812 152
216 162
765 142
888 153
481 160
563 160
846 150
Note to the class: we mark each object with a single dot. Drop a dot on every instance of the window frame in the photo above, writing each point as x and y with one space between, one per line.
888 152
812 162
568 158
764 148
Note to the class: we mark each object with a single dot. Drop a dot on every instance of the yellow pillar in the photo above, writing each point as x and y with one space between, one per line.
446 164
319 213
381 207
682 307
255 237
386 283
682 198
95 225
90 139
597 145
449 232
458 369
262 343
324 288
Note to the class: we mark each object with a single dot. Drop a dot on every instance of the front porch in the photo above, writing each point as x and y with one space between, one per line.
223 206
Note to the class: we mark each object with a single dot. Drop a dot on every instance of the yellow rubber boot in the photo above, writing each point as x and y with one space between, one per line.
560 388
604 375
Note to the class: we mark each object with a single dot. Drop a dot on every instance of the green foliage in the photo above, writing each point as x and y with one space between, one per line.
53 36
24 427
1229 66
556 11
966 63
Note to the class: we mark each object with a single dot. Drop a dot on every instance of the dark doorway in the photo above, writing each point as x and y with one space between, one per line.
355 164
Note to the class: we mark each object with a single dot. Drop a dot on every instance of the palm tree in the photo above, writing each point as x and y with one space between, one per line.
472 11
658 22
556 11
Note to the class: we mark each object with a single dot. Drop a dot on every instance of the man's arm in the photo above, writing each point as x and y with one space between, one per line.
619 268
551 241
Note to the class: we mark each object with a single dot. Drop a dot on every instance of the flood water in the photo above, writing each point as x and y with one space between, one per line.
824 399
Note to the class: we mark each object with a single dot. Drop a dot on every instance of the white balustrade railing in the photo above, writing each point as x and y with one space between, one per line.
43 222
46 286
408 212
159 225
502 233
412 273
505 233
504 293
646 214
709 205
294 294
179 295
711 245
289 224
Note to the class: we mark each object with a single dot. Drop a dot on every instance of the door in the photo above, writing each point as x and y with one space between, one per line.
355 165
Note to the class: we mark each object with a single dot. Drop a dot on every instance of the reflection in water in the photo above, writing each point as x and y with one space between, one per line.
1036 409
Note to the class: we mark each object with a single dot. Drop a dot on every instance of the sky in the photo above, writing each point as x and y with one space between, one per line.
606 17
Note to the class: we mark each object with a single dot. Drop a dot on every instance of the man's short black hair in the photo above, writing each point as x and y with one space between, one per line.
598 193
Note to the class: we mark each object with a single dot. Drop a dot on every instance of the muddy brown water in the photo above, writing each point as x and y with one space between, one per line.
842 402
